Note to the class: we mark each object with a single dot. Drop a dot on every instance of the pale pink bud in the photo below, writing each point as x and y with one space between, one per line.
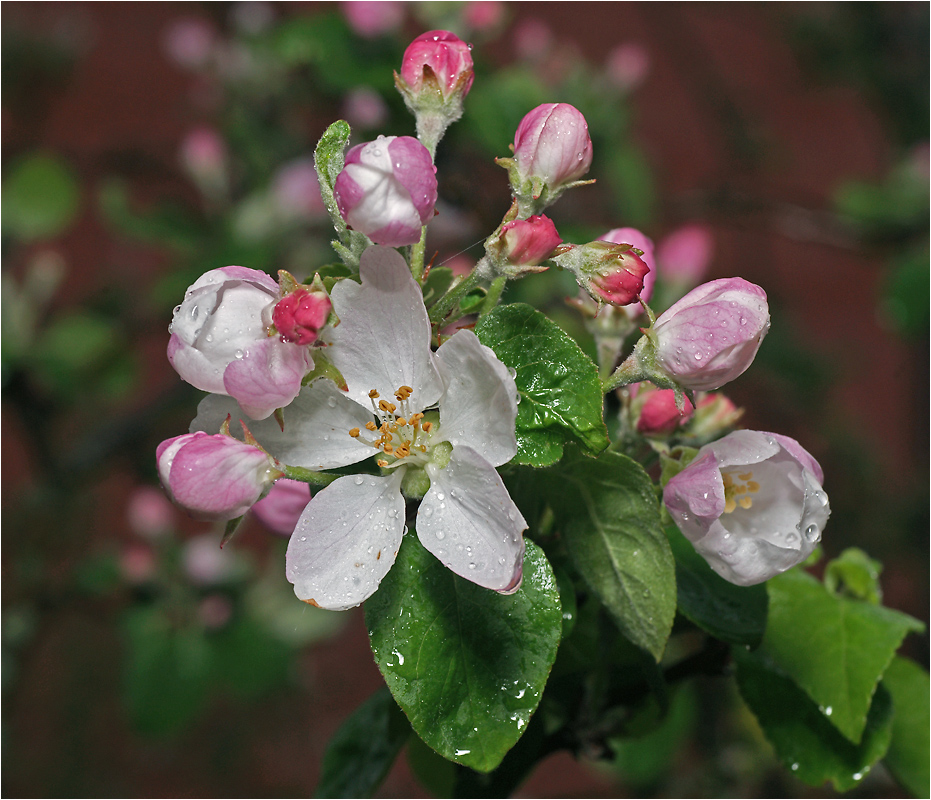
642 242
659 414
529 241
714 414
149 514
282 507
300 315
686 253
373 19
552 144
438 59
214 477
296 190
751 504
711 335
219 342
628 65
387 189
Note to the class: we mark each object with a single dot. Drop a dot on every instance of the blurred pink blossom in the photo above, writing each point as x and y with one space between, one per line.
149 512
364 108
684 255
296 190
189 42
533 39
483 15
281 508
628 65
373 19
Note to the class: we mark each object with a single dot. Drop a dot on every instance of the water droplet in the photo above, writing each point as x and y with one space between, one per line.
428 511
440 496
828 711
812 533
698 356
238 354
440 535
331 402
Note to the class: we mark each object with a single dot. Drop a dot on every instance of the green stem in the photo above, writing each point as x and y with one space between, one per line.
417 255
493 296
309 476
451 299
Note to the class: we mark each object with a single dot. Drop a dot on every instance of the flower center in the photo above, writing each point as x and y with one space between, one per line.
401 434
737 492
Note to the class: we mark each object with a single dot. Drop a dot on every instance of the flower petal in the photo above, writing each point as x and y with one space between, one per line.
469 522
383 339
316 427
480 404
268 376
346 540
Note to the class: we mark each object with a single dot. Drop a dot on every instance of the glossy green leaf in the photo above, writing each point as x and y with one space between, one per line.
362 751
801 735
834 648
608 514
907 758
855 574
467 665
40 197
735 614
560 394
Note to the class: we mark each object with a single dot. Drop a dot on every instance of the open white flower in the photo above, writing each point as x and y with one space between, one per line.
440 423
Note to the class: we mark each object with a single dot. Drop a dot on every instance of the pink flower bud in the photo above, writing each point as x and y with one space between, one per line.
483 15
712 334
219 342
552 144
642 242
282 507
364 108
190 42
387 190
659 415
438 60
300 315
686 253
203 154
611 273
714 414
529 241
214 477
373 19
751 504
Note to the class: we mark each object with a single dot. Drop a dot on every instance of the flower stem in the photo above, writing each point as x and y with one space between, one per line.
451 299
309 476
417 255
493 296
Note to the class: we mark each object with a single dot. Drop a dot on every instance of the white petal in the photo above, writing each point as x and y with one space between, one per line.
469 522
382 341
316 427
346 540
480 404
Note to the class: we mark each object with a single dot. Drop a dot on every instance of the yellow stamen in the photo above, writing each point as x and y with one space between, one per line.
354 433
384 405
403 392
427 427
745 502
729 505
746 476
373 394
382 463
401 422
371 426
753 486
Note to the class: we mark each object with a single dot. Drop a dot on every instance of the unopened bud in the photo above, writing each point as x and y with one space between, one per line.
611 273
299 316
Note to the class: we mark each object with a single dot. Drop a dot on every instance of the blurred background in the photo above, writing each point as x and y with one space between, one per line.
146 143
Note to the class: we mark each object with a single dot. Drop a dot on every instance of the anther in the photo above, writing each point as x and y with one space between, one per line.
373 394
401 422
354 433
371 426
427 427
381 462
745 502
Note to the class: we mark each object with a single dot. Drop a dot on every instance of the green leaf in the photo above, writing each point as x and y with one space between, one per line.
608 513
834 648
907 758
801 735
329 159
560 394
362 751
734 614
854 574
467 665
40 197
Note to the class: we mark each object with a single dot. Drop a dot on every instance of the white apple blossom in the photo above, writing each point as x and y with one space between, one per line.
439 423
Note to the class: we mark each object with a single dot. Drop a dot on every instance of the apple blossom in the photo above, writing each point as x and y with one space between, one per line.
751 504
300 315
387 189
610 273
552 145
641 242
685 254
220 342
656 411
438 423
214 477
437 61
